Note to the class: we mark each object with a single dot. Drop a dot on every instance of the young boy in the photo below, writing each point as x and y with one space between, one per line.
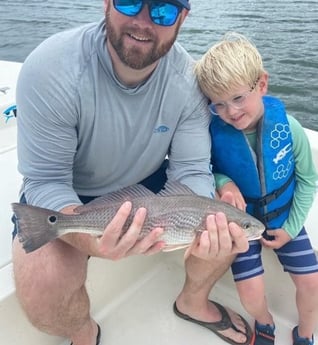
265 152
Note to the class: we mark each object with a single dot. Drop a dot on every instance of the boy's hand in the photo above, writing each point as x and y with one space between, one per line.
281 237
231 187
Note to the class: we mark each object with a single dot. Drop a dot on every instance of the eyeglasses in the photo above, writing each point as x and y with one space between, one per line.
237 102
161 12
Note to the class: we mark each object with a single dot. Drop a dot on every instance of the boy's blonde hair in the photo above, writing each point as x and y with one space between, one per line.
231 63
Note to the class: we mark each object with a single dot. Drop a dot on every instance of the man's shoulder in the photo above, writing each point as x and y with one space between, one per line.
181 61
57 66
63 54
69 42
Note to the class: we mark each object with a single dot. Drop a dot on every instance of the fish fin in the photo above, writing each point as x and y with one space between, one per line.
32 226
122 195
173 247
175 188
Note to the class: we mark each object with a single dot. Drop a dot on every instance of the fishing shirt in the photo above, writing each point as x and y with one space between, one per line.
305 175
82 132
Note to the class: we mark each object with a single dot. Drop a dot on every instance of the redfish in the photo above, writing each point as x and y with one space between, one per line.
177 209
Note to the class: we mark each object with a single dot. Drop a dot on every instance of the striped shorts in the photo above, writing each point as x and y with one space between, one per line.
296 256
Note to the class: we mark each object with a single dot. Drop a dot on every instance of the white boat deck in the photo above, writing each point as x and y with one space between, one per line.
136 306
132 299
150 301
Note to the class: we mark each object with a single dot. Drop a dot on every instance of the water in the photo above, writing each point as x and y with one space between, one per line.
285 31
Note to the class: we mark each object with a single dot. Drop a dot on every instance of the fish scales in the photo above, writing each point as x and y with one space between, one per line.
181 216
176 214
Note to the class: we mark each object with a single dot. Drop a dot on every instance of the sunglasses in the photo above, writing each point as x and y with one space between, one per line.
160 12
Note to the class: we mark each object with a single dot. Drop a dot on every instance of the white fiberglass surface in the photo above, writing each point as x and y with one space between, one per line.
132 301
10 183
143 314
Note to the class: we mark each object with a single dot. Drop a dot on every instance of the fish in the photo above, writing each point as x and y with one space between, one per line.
176 208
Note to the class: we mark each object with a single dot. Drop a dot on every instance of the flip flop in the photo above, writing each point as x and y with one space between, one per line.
223 324
97 336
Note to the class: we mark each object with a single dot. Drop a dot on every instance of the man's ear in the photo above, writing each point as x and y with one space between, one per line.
105 5
184 14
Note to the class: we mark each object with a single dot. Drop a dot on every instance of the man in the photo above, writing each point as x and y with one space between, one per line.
100 107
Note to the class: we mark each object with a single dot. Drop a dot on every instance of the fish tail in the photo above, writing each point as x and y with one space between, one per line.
33 227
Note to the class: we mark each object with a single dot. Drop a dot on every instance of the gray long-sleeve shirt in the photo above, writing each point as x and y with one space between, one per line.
80 131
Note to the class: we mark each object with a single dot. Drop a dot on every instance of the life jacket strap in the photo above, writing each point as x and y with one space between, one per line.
268 198
265 218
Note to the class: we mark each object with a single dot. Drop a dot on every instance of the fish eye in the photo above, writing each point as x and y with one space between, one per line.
246 225
52 219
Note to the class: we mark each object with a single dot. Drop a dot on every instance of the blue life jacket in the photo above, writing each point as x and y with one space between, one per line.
265 177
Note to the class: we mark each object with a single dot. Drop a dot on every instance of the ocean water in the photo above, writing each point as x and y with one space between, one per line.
285 31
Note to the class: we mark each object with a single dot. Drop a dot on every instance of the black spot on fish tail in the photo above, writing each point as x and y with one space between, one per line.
33 226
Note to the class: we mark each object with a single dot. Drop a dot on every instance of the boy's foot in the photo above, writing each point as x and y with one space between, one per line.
264 334
297 340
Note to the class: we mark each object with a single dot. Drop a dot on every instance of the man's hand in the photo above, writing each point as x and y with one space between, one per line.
219 239
115 247
112 244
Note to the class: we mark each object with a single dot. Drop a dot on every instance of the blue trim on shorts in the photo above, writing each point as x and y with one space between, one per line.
297 257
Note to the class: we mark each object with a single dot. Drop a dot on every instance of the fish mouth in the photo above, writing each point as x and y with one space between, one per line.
255 237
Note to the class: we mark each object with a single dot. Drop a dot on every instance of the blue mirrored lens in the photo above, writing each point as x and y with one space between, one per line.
128 7
161 13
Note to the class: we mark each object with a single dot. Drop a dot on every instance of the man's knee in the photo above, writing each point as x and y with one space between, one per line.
48 271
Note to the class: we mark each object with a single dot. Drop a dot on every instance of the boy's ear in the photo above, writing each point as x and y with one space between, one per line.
263 83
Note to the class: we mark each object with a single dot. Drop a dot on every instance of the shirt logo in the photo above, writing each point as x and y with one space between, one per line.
161 129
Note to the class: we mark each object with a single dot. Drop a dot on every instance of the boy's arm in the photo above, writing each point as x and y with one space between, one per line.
306 180
225 185
221 180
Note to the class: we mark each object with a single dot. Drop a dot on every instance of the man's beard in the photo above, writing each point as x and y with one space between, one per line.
134 57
